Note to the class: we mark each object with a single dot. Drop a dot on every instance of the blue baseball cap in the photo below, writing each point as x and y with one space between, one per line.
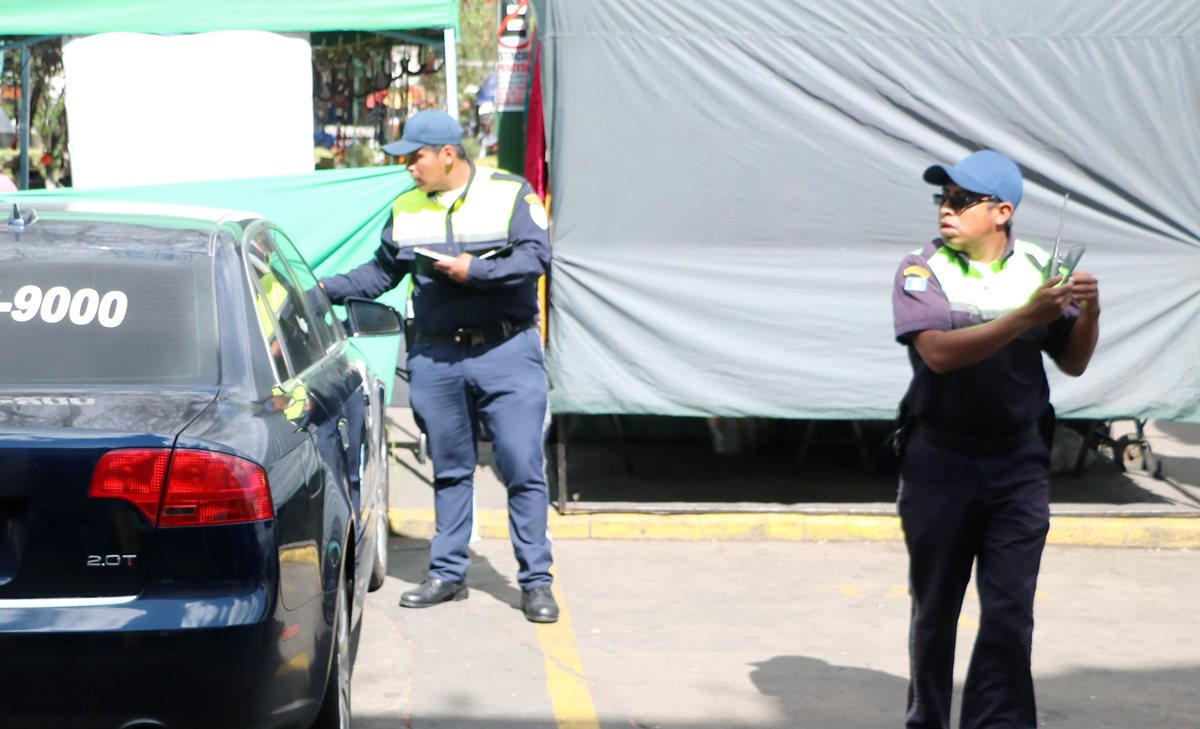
429 128
985 172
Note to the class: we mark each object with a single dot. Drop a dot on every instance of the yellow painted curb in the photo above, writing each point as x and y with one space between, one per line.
1161 532
1166 532
306 554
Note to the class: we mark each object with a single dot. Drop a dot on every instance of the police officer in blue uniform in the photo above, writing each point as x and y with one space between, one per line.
476 358
976 309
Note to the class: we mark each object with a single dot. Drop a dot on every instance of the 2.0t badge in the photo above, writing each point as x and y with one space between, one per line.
111 560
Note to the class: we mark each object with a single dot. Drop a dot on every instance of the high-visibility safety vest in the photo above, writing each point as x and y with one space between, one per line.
478 220
986 291
495 211
938 288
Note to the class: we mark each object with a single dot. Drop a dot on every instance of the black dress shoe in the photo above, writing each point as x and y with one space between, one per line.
432 591
538 604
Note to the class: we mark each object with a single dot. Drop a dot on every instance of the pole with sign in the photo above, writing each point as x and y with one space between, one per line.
512 83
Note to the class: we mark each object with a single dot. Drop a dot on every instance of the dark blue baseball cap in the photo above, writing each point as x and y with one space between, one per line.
429 128
985 172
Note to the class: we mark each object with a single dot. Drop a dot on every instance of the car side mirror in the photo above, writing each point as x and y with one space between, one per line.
366 318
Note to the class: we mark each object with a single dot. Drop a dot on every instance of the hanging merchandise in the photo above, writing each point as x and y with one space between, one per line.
362 84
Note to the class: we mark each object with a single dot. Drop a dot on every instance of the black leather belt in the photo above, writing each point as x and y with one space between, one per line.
479 336
974 445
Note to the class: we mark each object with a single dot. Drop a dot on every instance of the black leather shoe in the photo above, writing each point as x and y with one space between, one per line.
538 604
432 591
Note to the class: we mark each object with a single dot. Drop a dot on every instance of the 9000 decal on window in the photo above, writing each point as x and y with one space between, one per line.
60 304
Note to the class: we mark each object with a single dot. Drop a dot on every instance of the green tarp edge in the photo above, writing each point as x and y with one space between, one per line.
62 17
333 216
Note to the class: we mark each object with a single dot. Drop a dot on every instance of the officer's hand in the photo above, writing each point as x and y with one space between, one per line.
1087 292
1049 302
458 268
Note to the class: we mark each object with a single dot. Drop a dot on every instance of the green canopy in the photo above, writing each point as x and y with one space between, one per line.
61 17
333 216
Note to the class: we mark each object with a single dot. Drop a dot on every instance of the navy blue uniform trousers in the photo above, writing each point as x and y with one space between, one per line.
453 388
957 509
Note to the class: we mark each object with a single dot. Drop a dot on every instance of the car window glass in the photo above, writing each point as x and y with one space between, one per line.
286 324
327 326
129 316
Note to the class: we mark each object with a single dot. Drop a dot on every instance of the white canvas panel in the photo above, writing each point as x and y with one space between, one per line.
147 109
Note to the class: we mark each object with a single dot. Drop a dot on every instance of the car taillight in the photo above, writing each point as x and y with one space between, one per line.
135 475
201 487
214 488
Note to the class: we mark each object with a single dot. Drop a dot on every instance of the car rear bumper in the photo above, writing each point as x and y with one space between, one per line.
207 643
178 663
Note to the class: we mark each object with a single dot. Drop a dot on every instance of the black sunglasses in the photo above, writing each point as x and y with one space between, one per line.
411 157
959 201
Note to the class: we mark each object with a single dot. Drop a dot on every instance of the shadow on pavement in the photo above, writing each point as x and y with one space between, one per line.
1186 432
408 559
814 694
447 722
643 462
692 472
409 562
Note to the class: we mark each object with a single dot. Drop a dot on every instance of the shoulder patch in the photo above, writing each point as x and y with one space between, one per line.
916 283
537 211
917 271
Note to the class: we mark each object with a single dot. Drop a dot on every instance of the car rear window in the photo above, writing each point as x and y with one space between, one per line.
106 317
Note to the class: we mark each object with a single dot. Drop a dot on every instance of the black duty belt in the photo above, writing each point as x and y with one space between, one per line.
479 336
976 445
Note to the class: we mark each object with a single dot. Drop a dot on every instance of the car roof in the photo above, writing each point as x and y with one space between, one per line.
121 224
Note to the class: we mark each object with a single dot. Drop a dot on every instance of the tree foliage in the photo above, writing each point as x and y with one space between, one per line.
47 111
477 47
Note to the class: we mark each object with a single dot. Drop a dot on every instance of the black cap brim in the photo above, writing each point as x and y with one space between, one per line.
934 175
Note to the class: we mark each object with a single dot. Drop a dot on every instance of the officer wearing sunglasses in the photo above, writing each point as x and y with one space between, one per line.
976 310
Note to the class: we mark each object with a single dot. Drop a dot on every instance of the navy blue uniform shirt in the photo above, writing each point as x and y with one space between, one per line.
1002 394
500 288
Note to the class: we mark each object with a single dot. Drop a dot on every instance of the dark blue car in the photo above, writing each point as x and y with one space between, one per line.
193 474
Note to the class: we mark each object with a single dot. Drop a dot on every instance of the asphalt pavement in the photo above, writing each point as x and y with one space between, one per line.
760 635
783 615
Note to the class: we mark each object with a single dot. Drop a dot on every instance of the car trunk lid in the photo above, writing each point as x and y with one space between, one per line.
57 539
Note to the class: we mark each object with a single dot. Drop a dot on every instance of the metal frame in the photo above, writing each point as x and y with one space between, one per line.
24 114
417 40
449 45
26 42
556 473
1126 452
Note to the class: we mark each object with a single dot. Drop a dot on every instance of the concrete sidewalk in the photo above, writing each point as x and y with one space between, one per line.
820 502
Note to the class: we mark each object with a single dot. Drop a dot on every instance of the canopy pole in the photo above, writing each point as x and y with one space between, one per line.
23 113
451 63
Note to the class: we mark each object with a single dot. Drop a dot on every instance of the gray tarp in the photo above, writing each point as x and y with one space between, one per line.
734 184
